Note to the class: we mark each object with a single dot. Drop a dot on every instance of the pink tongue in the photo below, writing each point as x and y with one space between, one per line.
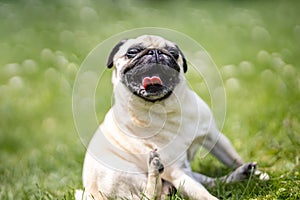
154 80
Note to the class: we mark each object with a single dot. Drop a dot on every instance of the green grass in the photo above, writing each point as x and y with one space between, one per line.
255 44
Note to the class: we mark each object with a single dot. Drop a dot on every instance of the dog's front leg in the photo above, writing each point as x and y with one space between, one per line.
186 185
154 184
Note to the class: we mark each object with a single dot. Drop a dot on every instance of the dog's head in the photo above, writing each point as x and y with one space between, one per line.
149 66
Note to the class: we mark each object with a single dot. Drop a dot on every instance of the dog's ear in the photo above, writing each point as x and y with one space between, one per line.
184 63
110 61
183 59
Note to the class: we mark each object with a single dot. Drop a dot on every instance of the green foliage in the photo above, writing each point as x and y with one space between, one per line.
42 44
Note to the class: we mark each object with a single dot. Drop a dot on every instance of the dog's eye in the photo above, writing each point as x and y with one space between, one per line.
131 53
174 54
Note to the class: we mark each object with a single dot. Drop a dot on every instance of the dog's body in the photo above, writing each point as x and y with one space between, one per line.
169 125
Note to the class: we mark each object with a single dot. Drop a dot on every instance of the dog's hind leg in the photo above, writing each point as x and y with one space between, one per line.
154 184
219 145
241 173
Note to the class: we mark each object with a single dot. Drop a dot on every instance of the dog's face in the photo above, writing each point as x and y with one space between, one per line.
149 66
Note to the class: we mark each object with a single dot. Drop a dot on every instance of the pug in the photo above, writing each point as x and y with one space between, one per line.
144 146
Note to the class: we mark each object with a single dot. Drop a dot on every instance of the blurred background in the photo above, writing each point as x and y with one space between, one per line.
255 44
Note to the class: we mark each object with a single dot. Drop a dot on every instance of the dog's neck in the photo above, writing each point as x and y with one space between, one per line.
132 109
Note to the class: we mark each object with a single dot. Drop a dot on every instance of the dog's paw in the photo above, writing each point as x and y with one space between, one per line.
155 165
263 176
242 173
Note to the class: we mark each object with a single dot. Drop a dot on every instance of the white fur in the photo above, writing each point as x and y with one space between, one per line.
176 126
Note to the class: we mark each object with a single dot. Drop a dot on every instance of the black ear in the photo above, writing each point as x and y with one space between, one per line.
183 59
110 61
184 63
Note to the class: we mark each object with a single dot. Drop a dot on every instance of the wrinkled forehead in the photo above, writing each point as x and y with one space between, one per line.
151 41
145 41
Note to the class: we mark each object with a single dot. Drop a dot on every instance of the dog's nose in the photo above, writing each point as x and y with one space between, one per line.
155 53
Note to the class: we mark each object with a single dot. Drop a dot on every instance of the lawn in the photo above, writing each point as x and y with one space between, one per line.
255 45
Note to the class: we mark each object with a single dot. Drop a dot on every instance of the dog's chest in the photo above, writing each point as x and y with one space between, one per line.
140 127
160 126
